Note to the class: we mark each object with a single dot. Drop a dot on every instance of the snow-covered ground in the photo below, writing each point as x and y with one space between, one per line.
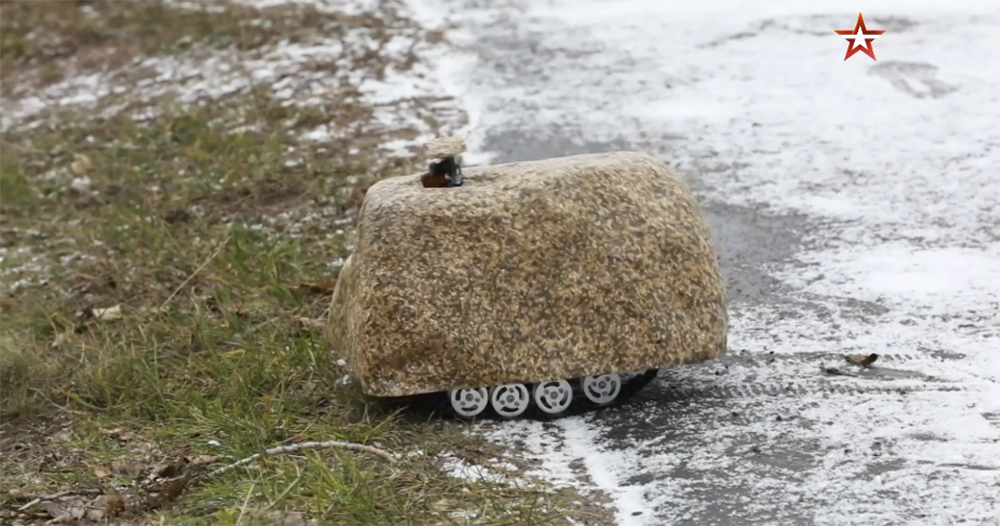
886 176
312 69
403 101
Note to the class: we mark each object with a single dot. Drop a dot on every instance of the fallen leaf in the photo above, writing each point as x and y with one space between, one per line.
861 359
174 488
201 460
81 164
120 433
309 322
59 340
130 469
108 314
78 512
18 495
64 518
114 504
65 512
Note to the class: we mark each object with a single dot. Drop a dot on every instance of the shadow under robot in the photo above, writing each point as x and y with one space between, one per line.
527 289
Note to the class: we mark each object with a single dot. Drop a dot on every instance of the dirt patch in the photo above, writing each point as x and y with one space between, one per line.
264 197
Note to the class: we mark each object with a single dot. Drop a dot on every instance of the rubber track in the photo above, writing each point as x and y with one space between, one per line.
581 404
437 403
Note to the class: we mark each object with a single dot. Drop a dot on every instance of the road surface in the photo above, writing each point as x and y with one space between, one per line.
855 205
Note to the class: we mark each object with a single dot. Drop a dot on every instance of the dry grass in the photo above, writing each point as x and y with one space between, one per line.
204 224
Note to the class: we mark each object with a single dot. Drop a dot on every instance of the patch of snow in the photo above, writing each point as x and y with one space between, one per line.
196 6
80 183
403 100
531 439
461 469
453 64
350 7
931 281
601 467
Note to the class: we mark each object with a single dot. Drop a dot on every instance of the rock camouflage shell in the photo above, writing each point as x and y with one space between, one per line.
532 271
446 147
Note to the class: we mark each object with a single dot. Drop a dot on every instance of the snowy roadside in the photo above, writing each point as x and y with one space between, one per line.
885 177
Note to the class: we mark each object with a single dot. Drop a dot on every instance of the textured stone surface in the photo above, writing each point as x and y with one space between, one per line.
530 271
446 147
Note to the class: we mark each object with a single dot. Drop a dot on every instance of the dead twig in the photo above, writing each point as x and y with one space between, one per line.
243 509
59 495
196 271
302 446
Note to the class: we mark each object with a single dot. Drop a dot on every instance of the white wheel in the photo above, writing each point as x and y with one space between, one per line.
553 397
601 388
469 402
510 400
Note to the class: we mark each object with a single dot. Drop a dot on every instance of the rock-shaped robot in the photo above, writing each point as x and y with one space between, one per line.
528 288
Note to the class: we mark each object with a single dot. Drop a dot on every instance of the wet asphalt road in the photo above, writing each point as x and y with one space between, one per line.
762 436
748 241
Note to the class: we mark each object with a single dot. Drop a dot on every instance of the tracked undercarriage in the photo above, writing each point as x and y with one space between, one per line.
562 273
544 400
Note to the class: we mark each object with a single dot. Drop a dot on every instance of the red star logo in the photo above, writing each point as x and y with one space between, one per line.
860 42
